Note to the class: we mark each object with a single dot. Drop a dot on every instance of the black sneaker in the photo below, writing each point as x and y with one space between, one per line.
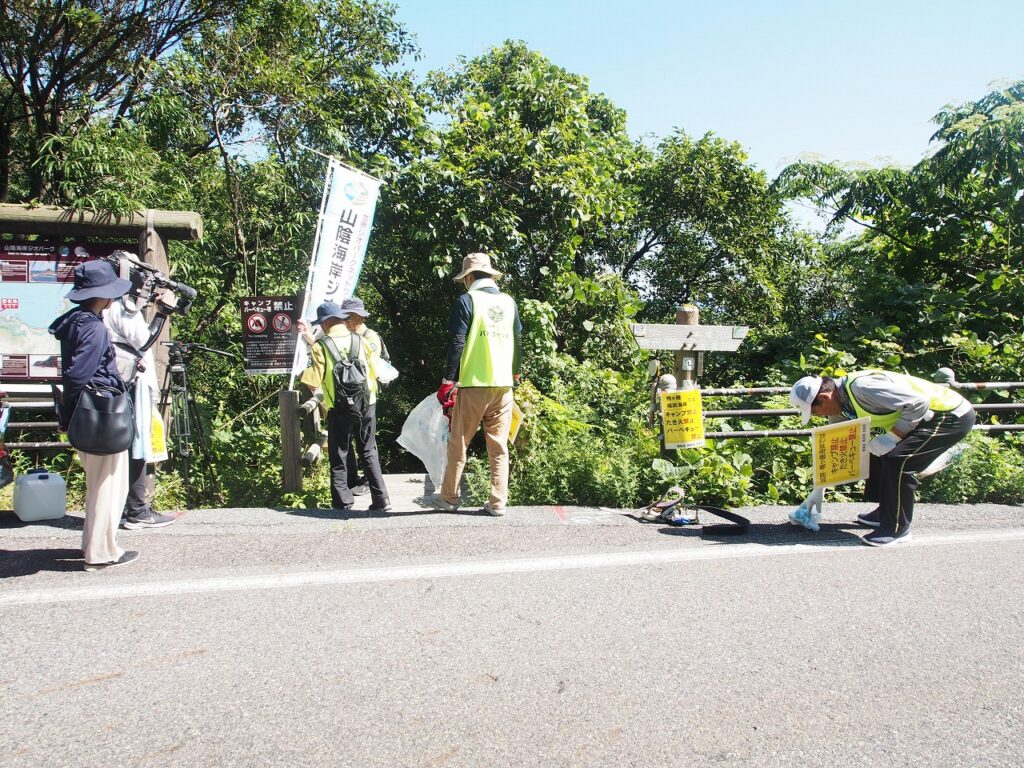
360 490
884 538
384 508
147 519
130 556
870 519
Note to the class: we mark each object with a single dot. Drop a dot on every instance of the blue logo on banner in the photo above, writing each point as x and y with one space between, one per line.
356 193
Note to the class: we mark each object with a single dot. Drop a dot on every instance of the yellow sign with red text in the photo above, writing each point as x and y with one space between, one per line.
517 421
682 417
840 452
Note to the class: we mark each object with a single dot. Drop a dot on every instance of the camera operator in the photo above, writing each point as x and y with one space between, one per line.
130 332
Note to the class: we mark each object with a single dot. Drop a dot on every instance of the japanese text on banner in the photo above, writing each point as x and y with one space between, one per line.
343 234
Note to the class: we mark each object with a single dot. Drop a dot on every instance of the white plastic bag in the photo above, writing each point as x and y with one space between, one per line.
425 436
386 372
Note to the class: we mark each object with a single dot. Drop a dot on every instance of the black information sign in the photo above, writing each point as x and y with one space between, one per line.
269 333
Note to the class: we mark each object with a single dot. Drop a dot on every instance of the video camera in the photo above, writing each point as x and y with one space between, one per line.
146 279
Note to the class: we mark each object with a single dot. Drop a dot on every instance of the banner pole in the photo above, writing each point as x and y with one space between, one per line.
328 180
335 160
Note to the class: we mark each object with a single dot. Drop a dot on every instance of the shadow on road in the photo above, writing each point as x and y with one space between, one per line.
774 534
26 562
368 514
68 522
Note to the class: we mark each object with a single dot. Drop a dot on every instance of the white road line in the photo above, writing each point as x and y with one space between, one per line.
483 568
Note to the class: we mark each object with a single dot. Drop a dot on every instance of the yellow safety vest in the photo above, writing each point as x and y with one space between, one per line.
490 344
326 361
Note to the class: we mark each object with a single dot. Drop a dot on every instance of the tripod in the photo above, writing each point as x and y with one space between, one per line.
185 417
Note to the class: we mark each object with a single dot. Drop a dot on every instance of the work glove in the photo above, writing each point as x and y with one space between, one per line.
446 397
883 444
444 394
808 514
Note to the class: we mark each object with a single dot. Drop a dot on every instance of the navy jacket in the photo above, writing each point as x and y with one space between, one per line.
86 357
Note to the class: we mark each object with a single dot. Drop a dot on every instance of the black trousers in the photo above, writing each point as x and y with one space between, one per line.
892 480
353 466
135 504
342 428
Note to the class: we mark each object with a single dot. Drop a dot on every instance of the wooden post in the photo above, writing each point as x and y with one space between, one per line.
153 250
291 445
686 360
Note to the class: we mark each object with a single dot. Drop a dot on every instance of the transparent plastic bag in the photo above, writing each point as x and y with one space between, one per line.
425 436
386 372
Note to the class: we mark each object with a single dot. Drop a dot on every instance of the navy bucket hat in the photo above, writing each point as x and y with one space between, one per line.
97 280
354 306
328 310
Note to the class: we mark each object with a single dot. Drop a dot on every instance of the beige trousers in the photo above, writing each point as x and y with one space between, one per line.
492 407
106 488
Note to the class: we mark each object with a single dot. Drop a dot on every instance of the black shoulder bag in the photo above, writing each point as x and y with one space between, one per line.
103 422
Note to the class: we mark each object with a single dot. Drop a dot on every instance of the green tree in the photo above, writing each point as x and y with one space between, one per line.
939 258
64 64
707 230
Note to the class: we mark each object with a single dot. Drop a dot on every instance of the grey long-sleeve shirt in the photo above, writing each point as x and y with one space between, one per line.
880 393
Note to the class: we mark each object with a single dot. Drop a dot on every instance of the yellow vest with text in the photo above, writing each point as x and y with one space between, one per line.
490 344
940 399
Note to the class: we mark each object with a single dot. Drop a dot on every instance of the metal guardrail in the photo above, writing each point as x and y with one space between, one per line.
780 412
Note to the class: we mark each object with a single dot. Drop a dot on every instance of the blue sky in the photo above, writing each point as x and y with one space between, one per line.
846 81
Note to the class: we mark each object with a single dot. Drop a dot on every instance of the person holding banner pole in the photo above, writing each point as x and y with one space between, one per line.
921 421
342 425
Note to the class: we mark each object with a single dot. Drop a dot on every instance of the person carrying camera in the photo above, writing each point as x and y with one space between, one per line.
88 360
130 332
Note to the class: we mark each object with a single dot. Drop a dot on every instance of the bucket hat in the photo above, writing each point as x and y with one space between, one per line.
802 395
477 262
97 280
354 306
328 310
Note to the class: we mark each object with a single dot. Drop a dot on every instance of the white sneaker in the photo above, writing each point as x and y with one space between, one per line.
493 511
438 503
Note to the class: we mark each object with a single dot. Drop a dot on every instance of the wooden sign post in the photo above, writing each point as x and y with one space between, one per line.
689 340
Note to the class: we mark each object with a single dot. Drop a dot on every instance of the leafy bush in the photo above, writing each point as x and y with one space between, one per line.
988 470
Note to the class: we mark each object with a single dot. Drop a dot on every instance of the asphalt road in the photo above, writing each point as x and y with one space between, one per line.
550 637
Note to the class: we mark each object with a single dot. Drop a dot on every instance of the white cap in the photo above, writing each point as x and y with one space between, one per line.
802 395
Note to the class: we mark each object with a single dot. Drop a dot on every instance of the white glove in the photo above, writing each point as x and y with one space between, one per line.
808 514
883 444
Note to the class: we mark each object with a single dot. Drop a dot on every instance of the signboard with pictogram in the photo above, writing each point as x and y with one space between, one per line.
269 333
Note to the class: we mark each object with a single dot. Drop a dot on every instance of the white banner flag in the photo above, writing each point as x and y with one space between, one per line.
339 249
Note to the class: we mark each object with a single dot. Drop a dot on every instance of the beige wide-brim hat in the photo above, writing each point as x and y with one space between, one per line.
476 262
